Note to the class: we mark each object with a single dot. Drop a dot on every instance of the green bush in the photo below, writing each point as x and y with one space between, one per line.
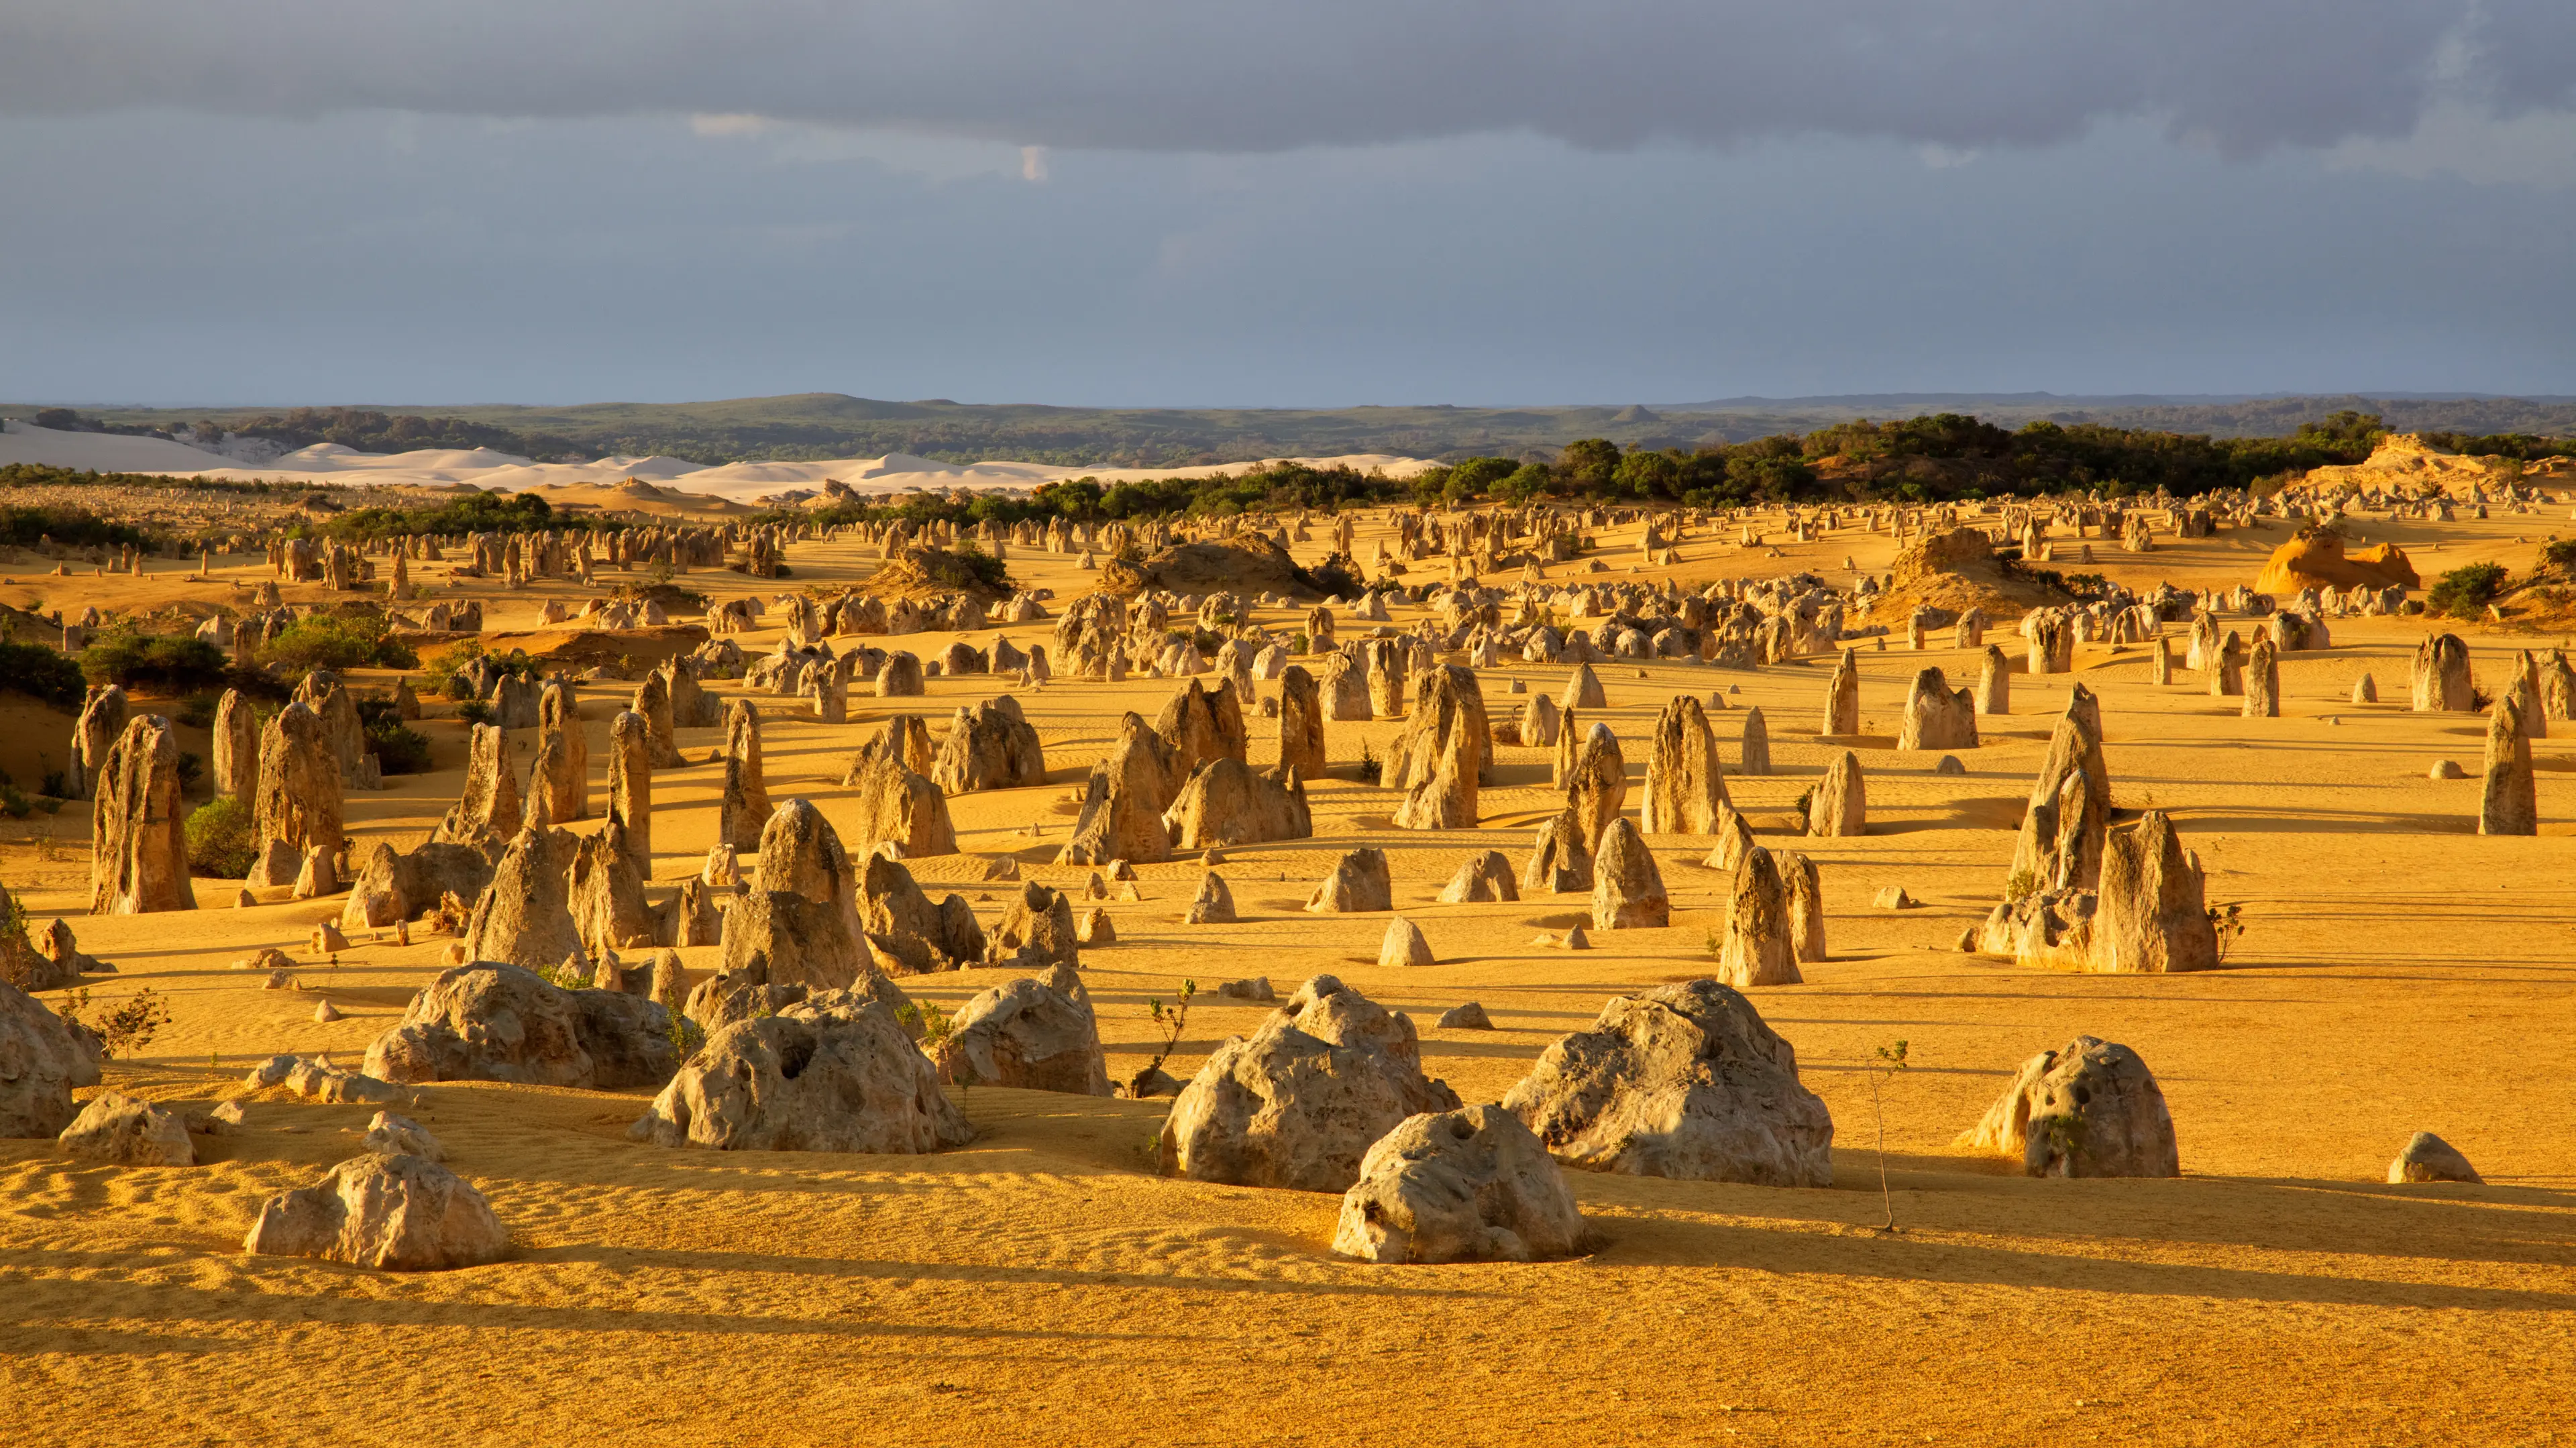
474 711
197 711
41 673
165 662
320 641
220 841
2465 592
2560 553
399 748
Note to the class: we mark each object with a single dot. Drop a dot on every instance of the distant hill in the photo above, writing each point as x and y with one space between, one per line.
817 425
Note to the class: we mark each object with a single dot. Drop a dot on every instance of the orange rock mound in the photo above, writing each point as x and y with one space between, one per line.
2315 559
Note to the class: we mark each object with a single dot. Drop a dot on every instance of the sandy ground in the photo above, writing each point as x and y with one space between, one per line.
1042 1286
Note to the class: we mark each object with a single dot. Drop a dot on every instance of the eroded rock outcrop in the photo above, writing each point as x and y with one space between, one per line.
138 825
400 1213
1686 1081
1460 1186
833 1072
486 1021
1029 1034
1299 1102
1685 787
2092 1109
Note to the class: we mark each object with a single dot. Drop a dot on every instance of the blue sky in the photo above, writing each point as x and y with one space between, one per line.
1152 204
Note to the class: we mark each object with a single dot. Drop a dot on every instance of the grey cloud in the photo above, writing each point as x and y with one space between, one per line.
1227 75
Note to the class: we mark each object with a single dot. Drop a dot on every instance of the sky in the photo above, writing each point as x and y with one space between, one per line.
1328 203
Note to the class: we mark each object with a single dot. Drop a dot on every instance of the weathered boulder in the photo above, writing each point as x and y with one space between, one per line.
801 853
2428 1158
1840 804
138 825
895 805
1806 897
400 886
1300 1101
1404 945
1937 716
1462 1186
1037 931
1227 802
1442 754
1627 886
1583 690
1994 681
390 1213
743 810
1560 859
236 748
1301 723
123 1130
559 782
833 1072
2090 1110
2440 678
1754 751
525 917
297 803
390 1133
1686 1081
652 704
630 784
1759 948
989 747
486 1021
1685 787
101 724
606 895
490 814
2509 801
1842 699
1033 1035
1358 883
1481 879
1596 787
901 923
1202 725
1214 904
1123 802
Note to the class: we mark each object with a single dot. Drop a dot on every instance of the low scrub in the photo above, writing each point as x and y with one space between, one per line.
220 840
162 663
41 673
324 642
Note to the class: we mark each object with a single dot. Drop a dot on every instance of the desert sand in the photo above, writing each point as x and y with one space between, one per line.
1045 1285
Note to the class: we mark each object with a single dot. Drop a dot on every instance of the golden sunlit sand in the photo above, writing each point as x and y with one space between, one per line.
2398 973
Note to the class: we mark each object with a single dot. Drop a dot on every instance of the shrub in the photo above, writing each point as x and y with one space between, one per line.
399 748
320 641
2558 553
197 711
192 767
122 1030
41 673
167 663
474 711
2464 592
220 840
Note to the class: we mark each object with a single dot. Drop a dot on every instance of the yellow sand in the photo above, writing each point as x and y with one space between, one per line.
1043 1286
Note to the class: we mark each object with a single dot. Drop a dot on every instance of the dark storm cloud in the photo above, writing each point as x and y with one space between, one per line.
1226 75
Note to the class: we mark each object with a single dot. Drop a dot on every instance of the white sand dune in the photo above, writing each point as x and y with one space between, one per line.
489 469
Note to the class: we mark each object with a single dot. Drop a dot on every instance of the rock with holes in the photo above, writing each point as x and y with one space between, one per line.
835 1071
1029 1034
1685 1081
1300 1101
1459 1186
2092 1109
401 1213
1037 931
